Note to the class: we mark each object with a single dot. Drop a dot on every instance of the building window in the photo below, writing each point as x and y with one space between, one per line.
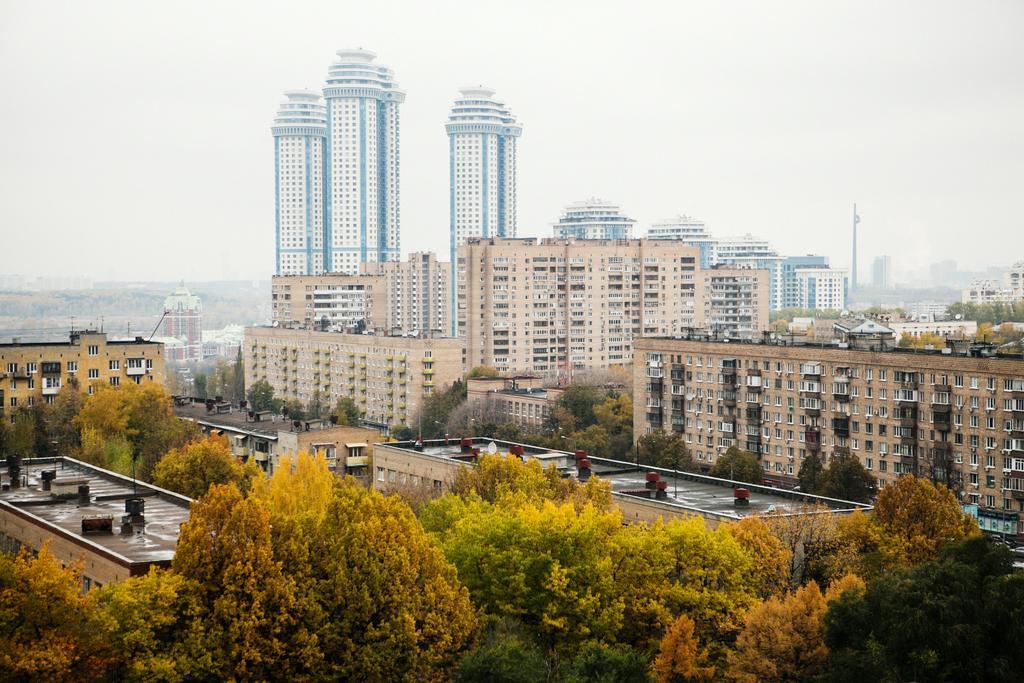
115 365
72 366
94 350
30 368
94 373
115 381
380 474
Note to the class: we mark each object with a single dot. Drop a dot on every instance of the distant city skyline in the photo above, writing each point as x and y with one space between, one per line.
746 118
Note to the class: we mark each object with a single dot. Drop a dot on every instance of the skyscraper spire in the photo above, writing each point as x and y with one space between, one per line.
853 264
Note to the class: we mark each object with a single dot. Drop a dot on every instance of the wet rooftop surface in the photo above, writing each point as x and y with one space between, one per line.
236 419
691 491
164 511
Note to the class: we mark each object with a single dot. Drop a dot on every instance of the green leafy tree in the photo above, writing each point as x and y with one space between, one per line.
597 663
199 386
661 449
436 409
574 409
957 618
546 566
505 654
846 479
811 473
348 412
294 409
261 397
738 465
483 372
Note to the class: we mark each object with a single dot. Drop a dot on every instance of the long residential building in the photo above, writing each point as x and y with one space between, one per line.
552 306
387 376
956 417
391 297
32 373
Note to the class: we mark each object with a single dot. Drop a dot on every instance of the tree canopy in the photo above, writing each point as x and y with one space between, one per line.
738 465
192 469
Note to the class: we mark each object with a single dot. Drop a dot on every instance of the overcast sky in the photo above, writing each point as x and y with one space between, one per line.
136 135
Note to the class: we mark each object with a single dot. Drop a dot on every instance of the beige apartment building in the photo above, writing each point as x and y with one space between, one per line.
34 372
266 438
329 301
388 377
955 416
521 400
418 293
550 306
391 297
735 301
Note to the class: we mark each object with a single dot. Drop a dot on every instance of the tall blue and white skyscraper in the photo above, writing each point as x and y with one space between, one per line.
361 211
482 138
482 135
300 133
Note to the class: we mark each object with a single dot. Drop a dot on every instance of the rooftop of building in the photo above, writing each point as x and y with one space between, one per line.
228 417
74 338
683 491
954 348
566 241
58 505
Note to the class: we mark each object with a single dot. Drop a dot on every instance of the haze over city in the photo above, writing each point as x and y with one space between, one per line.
140 145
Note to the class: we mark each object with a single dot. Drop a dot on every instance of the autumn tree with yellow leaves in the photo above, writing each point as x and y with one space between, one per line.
192 469
48 629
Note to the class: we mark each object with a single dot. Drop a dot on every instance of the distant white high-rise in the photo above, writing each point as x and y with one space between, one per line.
594 219
299 131
482 139
881 272
689 231
361 211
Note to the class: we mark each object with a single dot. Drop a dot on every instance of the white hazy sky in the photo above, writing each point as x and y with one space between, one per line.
136 141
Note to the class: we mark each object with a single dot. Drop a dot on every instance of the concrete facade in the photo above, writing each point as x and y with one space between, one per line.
519 400
267 438
387 377
34 372
955 418
552 306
